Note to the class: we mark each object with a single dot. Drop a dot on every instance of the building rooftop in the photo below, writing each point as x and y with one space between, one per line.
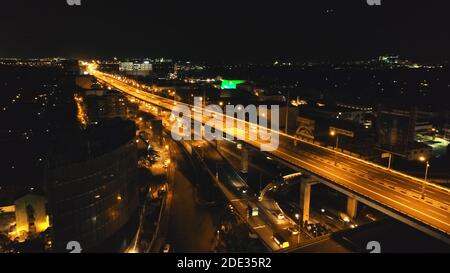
98 139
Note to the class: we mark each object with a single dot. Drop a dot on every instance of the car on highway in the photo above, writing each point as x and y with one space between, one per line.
344 217
316 229
166 163
253 235
281 242
278 215
320 229
293 231
371 217
166 248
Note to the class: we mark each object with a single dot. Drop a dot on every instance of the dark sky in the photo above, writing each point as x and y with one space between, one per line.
226 29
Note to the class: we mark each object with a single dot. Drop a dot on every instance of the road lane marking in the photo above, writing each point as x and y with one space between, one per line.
406 200
437 213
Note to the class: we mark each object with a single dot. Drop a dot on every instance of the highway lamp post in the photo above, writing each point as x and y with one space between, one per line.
260 183
427 166
297 216
333 133
217 171
287 112
204 98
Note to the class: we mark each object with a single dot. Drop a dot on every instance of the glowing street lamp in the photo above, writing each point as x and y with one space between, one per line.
427 166
334 133
174 98
297 216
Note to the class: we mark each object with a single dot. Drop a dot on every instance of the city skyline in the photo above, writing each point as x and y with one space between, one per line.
224 127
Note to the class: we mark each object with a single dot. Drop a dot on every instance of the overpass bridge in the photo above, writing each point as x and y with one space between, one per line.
393 193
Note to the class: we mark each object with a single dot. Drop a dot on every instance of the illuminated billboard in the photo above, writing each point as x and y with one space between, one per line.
231 84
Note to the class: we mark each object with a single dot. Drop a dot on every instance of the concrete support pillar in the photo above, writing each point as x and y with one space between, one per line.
244 160
352 206
305 200
296 135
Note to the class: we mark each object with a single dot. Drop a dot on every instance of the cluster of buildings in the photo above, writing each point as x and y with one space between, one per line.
90 192
33 62
398 131
389 130
160 68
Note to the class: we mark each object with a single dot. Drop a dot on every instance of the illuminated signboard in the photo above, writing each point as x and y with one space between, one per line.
231 84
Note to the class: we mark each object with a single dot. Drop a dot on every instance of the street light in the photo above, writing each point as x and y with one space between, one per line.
427 166
174 98
333 133
297 216
287 112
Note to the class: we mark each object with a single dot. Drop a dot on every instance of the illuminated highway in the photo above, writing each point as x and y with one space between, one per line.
390 189
265 224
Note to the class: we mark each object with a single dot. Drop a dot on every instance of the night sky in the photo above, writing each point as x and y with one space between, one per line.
226 29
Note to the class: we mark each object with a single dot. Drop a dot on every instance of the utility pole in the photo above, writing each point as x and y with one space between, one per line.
337 146
287 112
260 183
424 185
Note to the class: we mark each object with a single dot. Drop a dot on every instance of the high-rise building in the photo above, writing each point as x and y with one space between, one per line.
397 131
144 68
396 128
91 184
107 104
